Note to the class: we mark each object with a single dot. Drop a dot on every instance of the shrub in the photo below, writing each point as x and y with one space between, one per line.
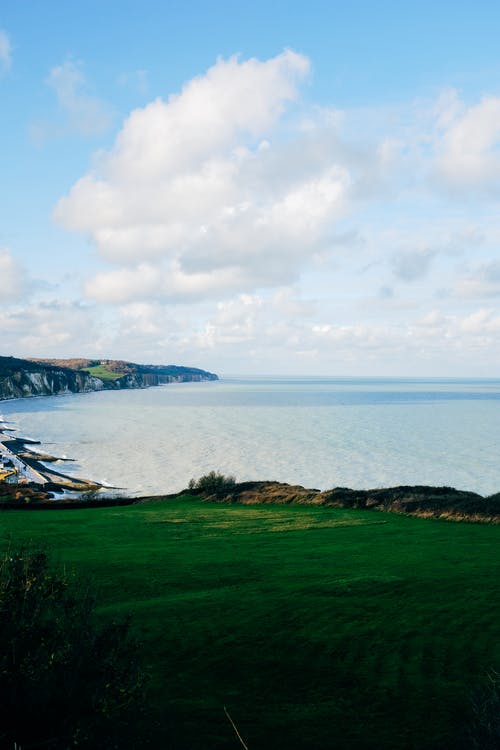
213 484
64 681
484 729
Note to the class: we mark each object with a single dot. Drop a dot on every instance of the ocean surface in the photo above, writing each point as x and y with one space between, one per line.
318 432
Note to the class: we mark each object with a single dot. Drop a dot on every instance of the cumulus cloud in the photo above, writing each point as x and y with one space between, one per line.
12 278
5 51
206 193
467 151
143 319
195 198
229 197
150 282
251 323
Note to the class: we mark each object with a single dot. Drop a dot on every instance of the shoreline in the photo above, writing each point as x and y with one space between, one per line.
25 478
37 468
33 486
24 467
28 483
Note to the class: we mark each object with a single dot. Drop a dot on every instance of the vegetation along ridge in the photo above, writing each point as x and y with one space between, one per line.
423 501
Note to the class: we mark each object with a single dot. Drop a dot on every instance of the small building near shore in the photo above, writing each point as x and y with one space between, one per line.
9 476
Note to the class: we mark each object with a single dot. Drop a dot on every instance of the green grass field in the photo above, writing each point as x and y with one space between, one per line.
100 371
315 627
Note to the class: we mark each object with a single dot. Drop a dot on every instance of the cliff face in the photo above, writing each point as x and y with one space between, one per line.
145 379
47 383
21 378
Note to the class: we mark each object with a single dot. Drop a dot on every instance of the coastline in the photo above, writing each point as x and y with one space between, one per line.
143 446
422 501
24 378
24 467
40 487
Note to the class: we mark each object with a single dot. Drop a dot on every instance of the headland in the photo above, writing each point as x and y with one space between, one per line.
21 378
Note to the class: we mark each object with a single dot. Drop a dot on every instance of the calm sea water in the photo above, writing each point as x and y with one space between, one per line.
318 432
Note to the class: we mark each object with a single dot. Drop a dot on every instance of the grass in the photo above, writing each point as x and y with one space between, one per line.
315 627
101 371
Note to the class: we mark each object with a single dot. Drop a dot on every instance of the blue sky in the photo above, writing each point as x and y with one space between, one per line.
307 188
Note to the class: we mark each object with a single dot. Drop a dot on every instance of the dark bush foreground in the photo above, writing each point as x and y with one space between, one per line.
484 729
64 681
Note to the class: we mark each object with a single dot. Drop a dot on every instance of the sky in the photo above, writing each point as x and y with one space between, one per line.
290 188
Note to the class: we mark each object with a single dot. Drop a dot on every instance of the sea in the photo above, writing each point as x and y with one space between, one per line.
316 431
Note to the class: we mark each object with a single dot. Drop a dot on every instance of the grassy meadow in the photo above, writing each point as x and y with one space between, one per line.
102 372
315 627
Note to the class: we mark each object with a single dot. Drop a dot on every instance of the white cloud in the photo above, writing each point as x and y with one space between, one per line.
12 278
289 305
289 234
196 199
86 114
483 322
468 150
483 282
148 282
352 337
435 338
143 319
249 328
5 51
56 328
206 193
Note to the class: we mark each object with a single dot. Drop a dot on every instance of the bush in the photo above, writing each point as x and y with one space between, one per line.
213 485
484 729
64 681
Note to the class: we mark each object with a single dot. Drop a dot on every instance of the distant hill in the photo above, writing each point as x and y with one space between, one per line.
21 378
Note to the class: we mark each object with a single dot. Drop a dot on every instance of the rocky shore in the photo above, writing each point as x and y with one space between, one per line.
23 474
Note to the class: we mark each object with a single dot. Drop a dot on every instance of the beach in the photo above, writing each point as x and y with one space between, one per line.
21 465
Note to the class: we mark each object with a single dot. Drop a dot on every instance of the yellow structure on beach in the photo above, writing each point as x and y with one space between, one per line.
9 476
